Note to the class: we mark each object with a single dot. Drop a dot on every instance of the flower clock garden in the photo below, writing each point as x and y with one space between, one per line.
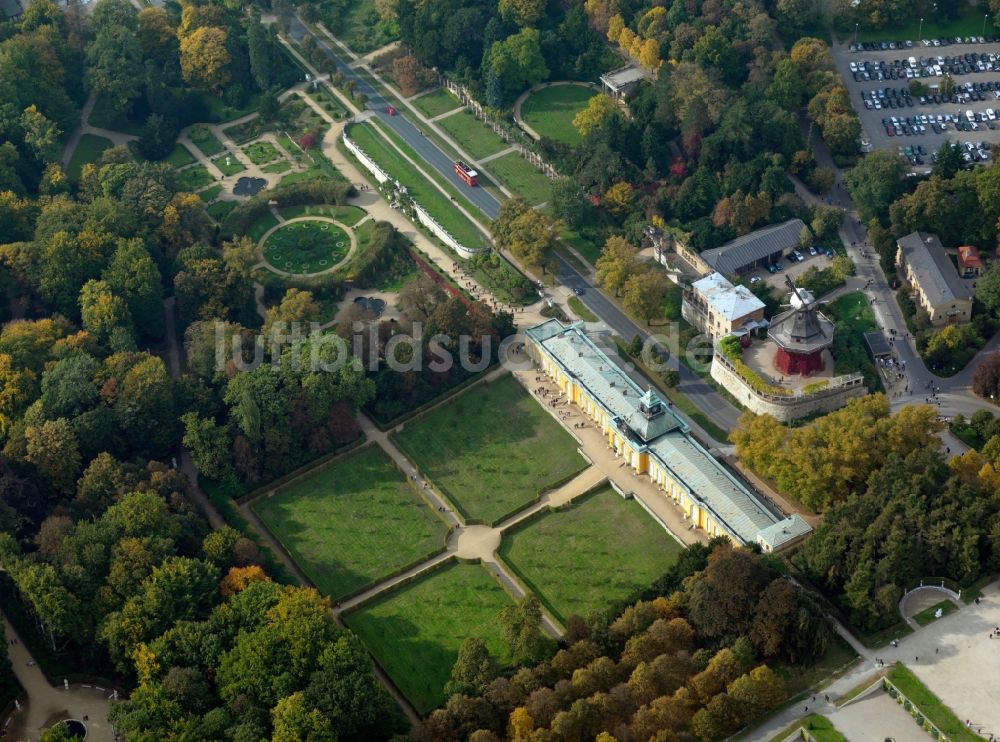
305 246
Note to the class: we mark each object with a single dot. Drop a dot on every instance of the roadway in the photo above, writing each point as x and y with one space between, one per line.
429 152
700 393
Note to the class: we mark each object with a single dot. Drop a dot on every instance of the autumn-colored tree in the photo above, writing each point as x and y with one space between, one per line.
295 306
618 261
52 448
643 293
618 198
205 58
522 12
649 54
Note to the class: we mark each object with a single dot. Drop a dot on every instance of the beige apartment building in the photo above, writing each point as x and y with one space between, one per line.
937 287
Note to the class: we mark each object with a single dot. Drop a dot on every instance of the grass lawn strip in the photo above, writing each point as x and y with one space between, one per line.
353 523
88 150
179 156
581 311
477 138
306 247
590 555
821 729
436 103
521 177
281 166
969 23
550 111
205 140
926 616
438 205
232 167
220 209
259 228
492 450
414 632
349 215
210 194
929 705
194 178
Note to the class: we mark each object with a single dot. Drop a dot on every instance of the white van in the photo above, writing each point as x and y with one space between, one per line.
913 62
970 115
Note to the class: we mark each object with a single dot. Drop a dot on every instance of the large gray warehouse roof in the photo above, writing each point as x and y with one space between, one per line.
743 251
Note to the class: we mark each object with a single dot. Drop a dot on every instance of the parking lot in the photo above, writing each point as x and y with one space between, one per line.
788 266
923 125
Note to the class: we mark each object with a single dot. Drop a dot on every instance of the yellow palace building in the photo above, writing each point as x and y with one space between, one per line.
654 441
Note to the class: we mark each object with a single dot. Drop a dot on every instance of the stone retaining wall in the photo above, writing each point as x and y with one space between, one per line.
785 409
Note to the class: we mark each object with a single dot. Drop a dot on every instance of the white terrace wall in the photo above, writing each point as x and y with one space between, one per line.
786 409
422 215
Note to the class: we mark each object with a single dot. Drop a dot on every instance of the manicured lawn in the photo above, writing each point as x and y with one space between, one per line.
930 705
589 249
261 153
219 209
353 523
179 156
550 111
205 140
228 164
926 616
492 450
475 137
521 177
414 632
87 151
821 729
853 317
436 203
592 554
260 227
581 311
195 177
328 101
210 194
968 24
436 103
349 215
306 247
280 166
104 118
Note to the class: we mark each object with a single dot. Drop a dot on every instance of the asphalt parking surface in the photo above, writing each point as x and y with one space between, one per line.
871 120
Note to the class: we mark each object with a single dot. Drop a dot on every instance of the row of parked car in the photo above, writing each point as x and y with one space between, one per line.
915 154
920 123
887 98
976 151
884 46
971 91
913 67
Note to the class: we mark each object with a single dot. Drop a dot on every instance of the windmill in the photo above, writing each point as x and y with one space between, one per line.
801 333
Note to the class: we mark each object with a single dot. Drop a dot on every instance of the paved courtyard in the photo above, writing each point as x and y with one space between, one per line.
871 120
876 718
47 704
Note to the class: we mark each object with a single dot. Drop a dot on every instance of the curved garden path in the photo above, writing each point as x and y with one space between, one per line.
524 96
310 218
47 703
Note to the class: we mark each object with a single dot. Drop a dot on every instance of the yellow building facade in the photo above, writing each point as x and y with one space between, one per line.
652 440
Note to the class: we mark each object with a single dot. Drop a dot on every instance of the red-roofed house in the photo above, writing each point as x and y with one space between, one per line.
970 265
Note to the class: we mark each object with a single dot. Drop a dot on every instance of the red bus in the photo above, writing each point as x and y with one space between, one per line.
469 176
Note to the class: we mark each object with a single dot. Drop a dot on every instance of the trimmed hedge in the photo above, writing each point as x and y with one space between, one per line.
239 220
